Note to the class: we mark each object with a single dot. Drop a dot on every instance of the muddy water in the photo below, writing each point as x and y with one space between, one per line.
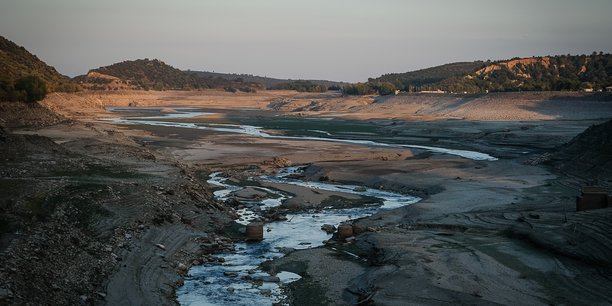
239 281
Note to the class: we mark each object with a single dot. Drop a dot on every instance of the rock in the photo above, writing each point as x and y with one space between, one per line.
358 229
161 246
250 193
101 295
266 292
285 250
360 189
179 283
254 231
182 267
230 273
196 262
231 289
345 231
328 228
128 236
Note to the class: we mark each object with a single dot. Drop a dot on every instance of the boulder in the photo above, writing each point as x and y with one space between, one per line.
345 231
254 231
328 228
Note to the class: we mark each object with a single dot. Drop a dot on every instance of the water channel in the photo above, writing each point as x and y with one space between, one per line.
238 280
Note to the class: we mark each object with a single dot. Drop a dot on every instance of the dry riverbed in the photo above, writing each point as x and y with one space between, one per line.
135 205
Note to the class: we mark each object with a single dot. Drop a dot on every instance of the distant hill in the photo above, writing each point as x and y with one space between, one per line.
563 72
416 80
270 83
17 62
157 75
152 74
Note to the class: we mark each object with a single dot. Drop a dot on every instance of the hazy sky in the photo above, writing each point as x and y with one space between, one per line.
347 40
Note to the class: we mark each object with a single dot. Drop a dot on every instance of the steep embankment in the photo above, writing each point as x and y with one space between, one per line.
588 155
89 216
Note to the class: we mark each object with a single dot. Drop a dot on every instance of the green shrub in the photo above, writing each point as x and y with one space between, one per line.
30 88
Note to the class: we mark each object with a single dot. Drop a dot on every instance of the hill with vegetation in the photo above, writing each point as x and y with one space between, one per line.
560 73
419 79
273 83
156 75
21 70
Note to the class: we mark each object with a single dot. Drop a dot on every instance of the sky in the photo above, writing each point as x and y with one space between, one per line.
341 40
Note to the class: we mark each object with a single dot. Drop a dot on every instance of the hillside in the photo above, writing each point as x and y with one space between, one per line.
415 80
563 72
153 74
157 75
269 83
17 62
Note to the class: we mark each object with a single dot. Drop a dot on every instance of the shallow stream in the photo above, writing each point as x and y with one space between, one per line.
185 113
231 283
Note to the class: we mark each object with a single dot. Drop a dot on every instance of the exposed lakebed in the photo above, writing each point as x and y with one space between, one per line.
357 134
238 280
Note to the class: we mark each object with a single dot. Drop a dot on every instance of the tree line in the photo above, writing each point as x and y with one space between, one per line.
558 73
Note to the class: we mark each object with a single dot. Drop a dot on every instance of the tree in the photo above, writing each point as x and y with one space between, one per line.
386 88
31 88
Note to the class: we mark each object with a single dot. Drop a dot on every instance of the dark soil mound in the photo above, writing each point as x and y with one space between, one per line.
21 114
588 155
